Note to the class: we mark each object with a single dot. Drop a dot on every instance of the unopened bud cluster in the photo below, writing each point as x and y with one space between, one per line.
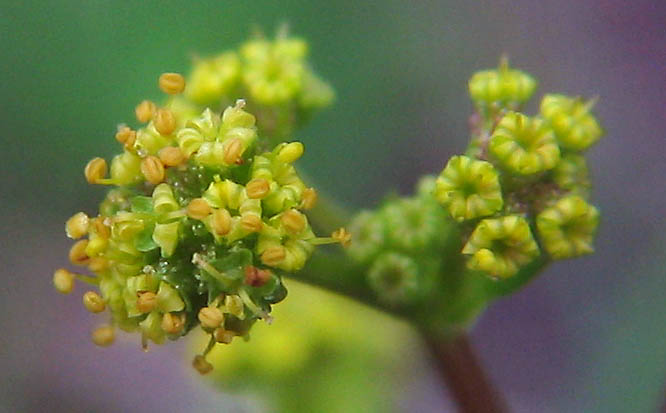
202 221
273 76
518 194
521 188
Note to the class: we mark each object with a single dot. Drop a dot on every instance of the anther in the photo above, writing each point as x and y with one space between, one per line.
309 198
146 302
257 188
172 83
77 254
164 121
144 111
199 209
93 302
251 223
172 156
95 170
210 317
201 365
77 225
152 170
342 236
103 336
273 256
63 281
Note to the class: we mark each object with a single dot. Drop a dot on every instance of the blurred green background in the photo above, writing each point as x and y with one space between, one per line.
589 335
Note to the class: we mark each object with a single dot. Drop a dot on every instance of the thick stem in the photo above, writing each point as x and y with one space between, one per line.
467 382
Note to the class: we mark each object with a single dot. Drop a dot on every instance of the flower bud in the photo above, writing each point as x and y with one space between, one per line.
469 188
567 229
524 146
575 128
502 86
501 246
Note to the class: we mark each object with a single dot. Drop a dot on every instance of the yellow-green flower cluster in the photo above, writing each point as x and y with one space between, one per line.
273 76
199 229
523 176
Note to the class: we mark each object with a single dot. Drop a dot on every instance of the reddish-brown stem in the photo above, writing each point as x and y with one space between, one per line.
467 382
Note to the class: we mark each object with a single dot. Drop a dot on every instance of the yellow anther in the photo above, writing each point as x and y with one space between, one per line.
293 221
201 365
211 317
102 230
95 170
273 255
77 254
93 302
223 336
198 208
309 198
257 188
251 223
233 151
152 169
77 225
342 236
144 111
103 336
221 221
173 323
63 281
146 302
126 135
172 156
164 121
98 264
291 152
172 83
